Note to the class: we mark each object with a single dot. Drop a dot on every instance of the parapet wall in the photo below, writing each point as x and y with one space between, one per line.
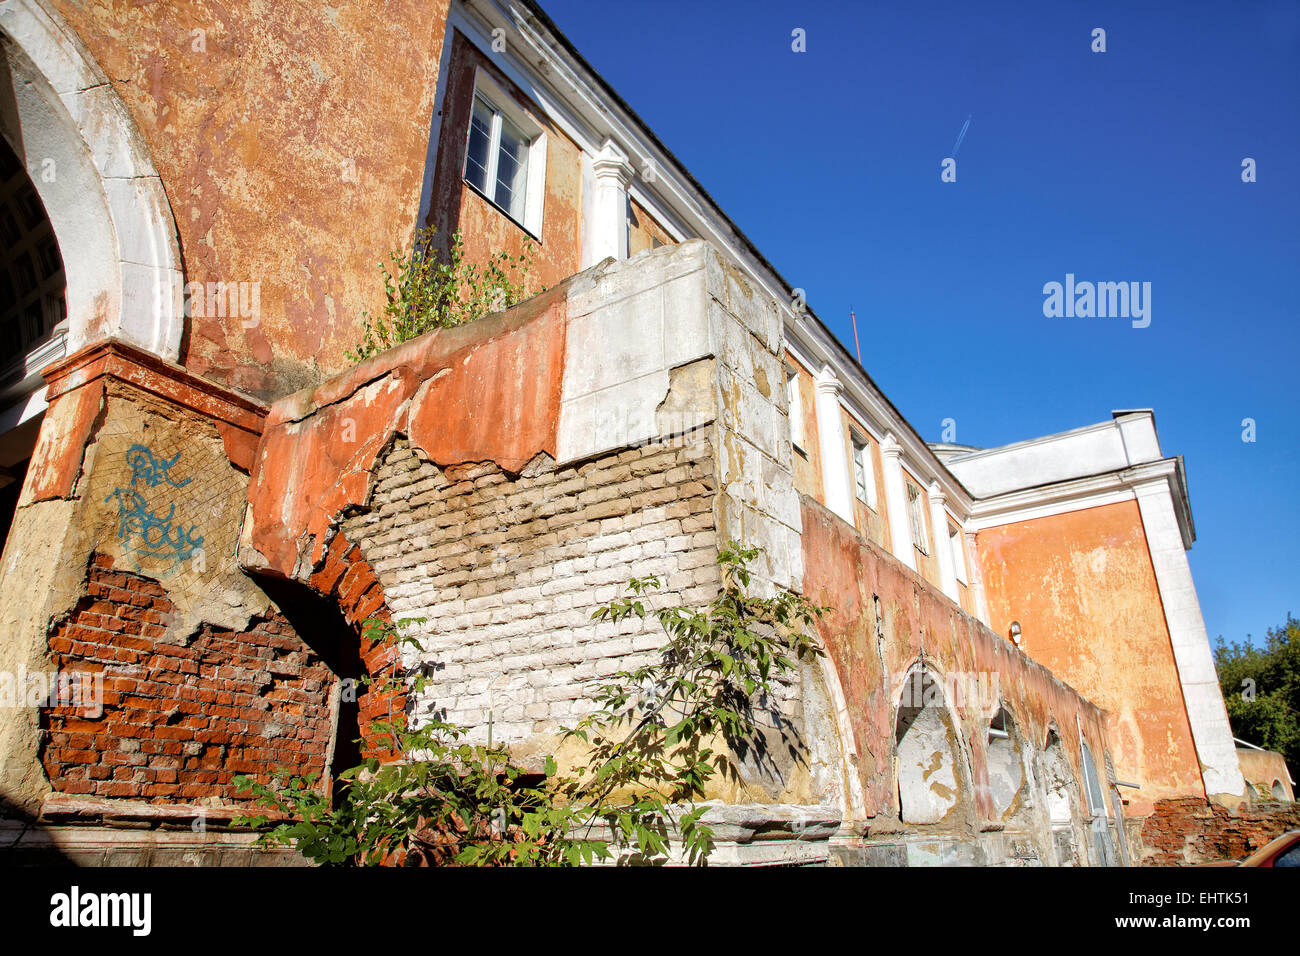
948 787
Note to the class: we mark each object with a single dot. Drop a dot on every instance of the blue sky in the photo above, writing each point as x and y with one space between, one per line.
1115 166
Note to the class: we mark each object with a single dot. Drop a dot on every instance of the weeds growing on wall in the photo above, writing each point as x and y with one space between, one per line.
657 736
426 291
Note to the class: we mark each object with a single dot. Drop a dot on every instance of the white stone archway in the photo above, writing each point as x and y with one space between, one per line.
98 184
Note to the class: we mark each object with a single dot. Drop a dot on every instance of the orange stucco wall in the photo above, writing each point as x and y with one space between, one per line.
292 154
1082 586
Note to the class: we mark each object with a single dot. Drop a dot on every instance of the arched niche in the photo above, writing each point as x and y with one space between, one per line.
98 185
1006 772
932 775
1058 782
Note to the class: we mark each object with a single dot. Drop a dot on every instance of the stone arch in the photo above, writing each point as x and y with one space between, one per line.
97 181
1278 791
838 750
932 776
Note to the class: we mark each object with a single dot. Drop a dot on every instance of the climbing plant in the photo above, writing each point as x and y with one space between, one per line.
425 291
657 735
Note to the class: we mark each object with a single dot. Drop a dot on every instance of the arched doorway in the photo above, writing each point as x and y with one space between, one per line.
1060 789
33 317
76 177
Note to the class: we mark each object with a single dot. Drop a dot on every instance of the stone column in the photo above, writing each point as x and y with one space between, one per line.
900 528
609 230
830 433
942 546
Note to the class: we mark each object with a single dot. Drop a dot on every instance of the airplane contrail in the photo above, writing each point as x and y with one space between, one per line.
961 136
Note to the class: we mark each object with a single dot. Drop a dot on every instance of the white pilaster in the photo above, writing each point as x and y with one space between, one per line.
942 545
613 173
1205 711
900 529
830 434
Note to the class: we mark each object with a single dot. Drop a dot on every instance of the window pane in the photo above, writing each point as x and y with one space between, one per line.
862 472
480 144
859 471
512 170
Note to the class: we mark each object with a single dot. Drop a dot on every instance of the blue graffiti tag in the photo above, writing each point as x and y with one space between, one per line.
147 468
141 529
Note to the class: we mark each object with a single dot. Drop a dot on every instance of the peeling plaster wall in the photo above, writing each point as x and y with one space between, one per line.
291 152
1082 586
139 465
884 621
643 230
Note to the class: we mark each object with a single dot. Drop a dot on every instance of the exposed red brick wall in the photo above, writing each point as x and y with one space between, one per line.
180 720
1187 830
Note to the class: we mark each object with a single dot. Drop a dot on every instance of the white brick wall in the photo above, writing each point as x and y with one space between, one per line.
509 570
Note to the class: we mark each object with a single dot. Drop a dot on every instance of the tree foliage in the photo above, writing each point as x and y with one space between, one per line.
1261 688
656 737
426 291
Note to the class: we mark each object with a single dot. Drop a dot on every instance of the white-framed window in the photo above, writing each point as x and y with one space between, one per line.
864 473
916 514
505 156
794 394
958 553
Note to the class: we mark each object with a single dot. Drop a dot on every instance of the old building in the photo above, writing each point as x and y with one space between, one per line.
205 499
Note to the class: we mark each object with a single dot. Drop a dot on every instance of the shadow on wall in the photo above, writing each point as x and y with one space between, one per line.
21 843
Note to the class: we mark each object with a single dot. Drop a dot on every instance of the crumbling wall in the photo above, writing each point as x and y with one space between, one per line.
121 580
176 721
507 570
507 477
1189 830
890 635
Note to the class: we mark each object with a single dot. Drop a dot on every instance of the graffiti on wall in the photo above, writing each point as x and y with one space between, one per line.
141 529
